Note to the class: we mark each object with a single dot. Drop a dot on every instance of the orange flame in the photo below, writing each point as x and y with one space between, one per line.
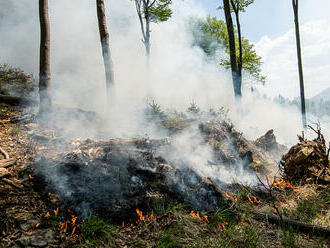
281 184
73 219
196 215
123 224
73 230
221 227
56 211
62 226
30 176
47 214
140 214
253 200
231 196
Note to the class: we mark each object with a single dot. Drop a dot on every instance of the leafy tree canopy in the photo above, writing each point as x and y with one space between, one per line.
160 10
211 34
241 4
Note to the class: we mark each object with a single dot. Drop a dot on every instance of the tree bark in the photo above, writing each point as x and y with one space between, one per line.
300 68
104 38
240 59
44 67
147 38
232 49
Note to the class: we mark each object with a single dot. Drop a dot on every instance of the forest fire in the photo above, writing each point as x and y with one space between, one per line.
142 217
253 200
196 215
280 183
231 196
71 222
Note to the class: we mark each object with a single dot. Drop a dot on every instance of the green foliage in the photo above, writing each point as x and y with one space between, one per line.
161 207
232 237
221 216
289 239
15 78
14 130
155 112
171 237
160 11
96 231
211 34
307 210
193 108
239 4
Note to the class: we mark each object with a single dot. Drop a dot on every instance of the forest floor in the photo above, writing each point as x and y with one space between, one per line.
31 217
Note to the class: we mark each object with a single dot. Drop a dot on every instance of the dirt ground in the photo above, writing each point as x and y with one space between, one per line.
32 217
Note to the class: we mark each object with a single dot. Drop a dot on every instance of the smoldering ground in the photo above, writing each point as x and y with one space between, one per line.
176 76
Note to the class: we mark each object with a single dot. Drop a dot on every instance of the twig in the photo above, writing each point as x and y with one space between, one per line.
270 190
6 163
11 183
5 154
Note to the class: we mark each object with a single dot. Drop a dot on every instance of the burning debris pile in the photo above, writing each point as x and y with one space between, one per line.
112 178
307 162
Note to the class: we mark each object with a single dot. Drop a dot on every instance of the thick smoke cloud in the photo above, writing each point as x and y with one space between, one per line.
177 76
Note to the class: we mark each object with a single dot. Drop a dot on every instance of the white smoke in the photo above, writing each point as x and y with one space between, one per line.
178 73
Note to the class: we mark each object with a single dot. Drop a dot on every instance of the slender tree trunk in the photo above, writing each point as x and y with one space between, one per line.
147 40
44 67
232 49
104 37
240 59
147 35
300 68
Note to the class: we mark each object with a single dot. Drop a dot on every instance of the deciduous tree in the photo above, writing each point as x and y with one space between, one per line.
211 34
151 11
235 6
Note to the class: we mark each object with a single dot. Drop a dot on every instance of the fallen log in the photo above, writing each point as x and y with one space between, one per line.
6 163
14 100
298 225
4 153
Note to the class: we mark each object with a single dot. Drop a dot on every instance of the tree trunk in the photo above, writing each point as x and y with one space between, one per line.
44 69
301 76
232 49
147 36
104 37
147 41
240 59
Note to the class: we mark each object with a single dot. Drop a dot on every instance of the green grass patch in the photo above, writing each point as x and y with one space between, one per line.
232 238
95 232
171 238
14 130
289 238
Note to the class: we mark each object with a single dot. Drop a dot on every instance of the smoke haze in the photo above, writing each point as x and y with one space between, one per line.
178 74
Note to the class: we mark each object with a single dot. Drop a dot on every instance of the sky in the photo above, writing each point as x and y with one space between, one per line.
269 25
